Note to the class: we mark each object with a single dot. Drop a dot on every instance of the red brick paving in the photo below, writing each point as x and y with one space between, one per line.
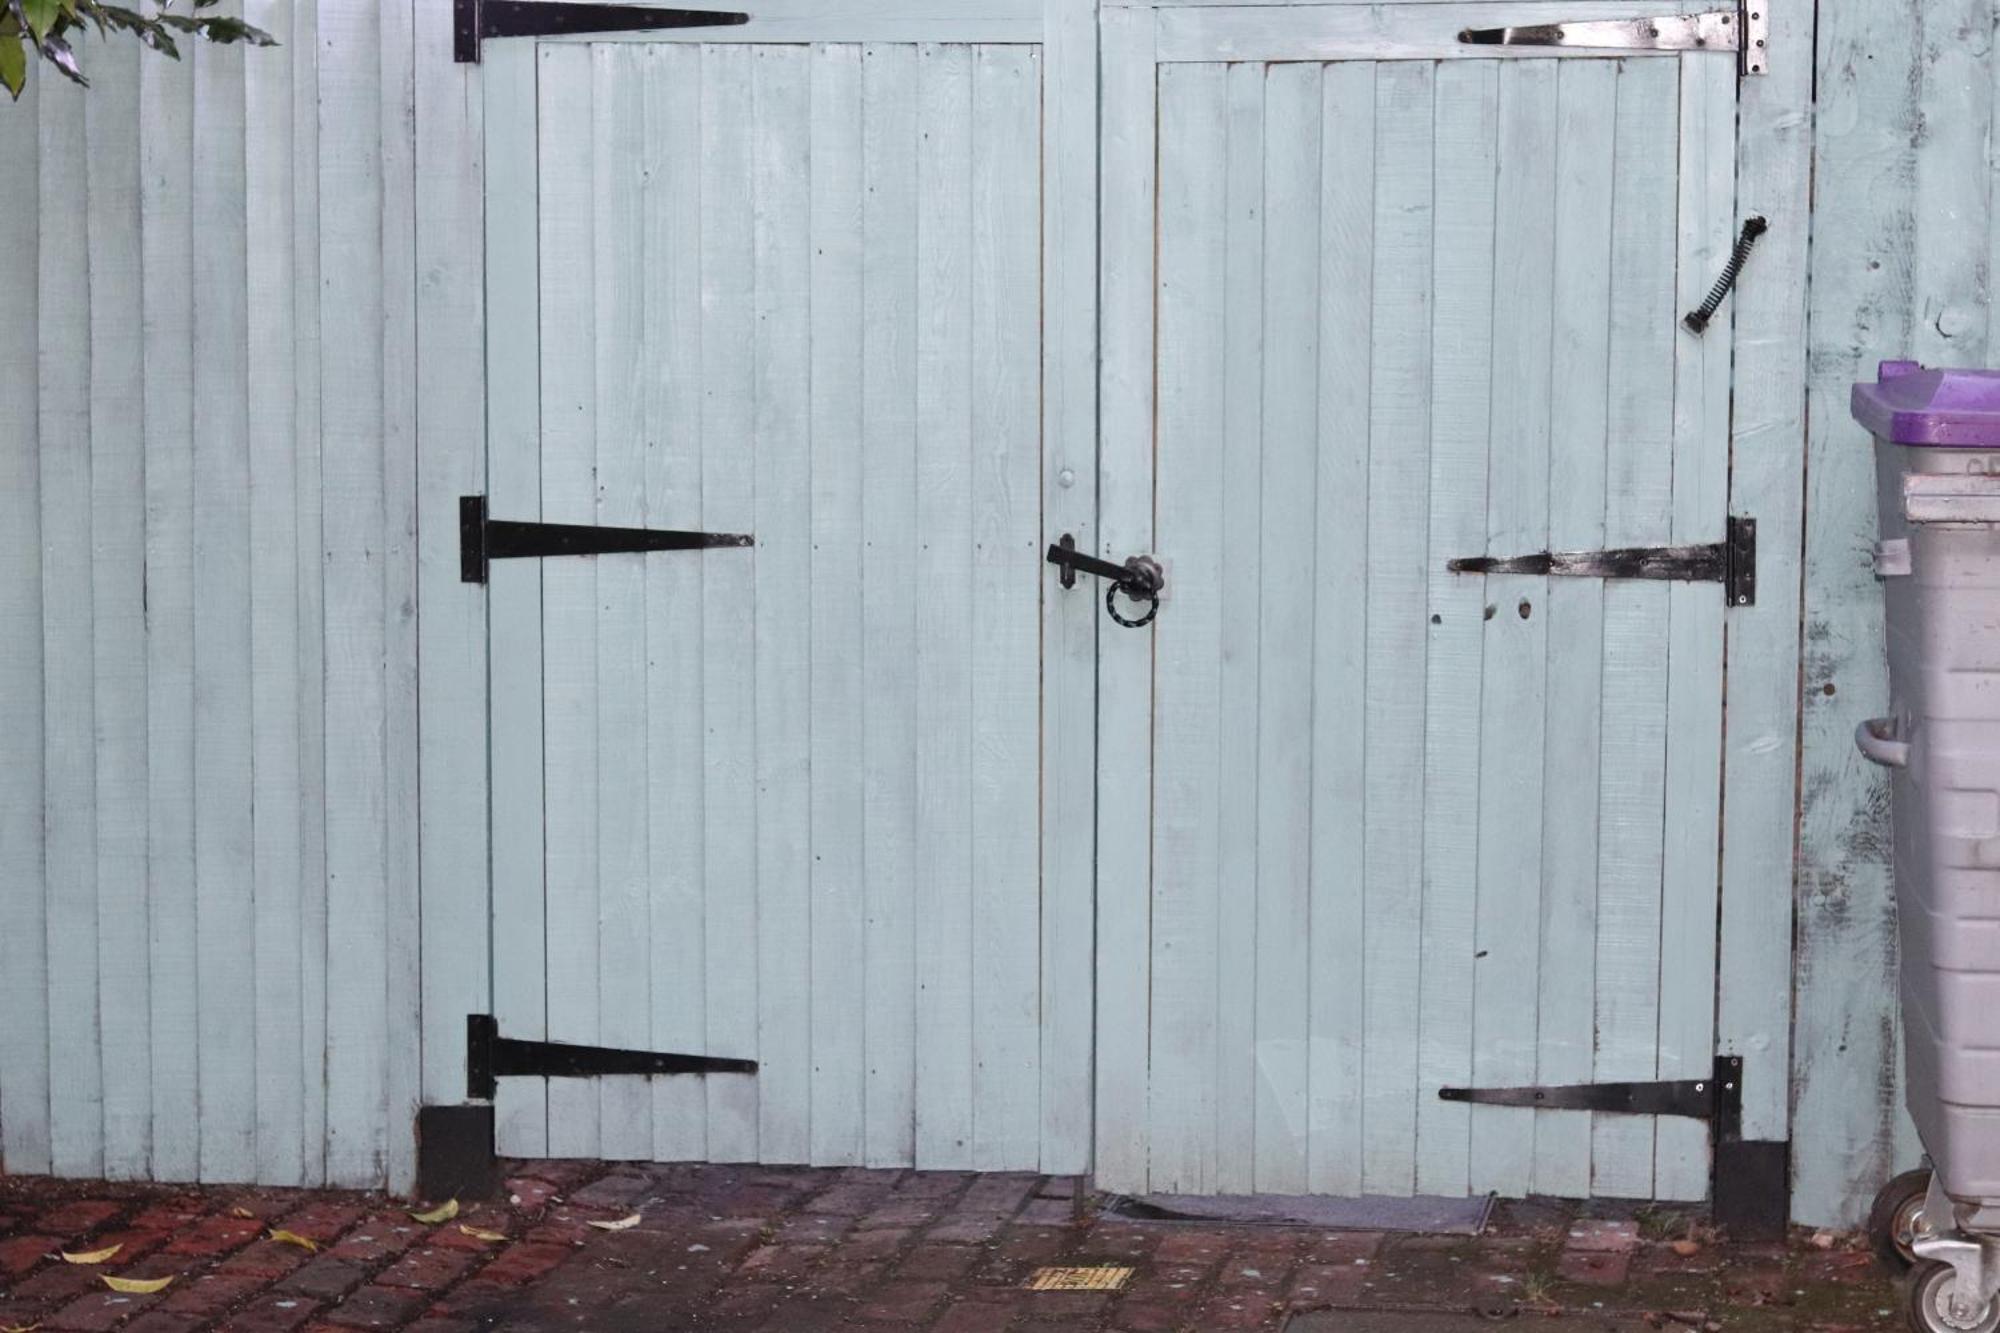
774 1250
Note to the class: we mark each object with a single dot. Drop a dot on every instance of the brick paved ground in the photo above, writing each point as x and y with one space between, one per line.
796 1250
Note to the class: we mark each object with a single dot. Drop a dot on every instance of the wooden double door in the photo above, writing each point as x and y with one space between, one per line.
979 877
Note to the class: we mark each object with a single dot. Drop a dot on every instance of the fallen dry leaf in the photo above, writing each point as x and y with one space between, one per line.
622 1224
480 1233
136 1286
240 1211
294 1238
444 1212
20 1328
1685 1247
90 1256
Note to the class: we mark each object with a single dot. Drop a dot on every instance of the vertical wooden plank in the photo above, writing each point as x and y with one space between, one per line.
624 902
166 98
838 957
76 1076
1193 137
514 588
451 461
781 390
310 526
223 778
274 607
1638 496
1337 992
889 599
1006 638
673 334
1758 966
728 682
24 1039
118 610
1512 693
1846 1054
1689 879
1069 624
1953 206
403 1056
566 151
944 1119
1285 628
1125 516
1241 567
352 473
1398 580
1462 339
1580 302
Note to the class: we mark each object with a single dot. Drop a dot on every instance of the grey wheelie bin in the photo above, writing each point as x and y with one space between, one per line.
1937 467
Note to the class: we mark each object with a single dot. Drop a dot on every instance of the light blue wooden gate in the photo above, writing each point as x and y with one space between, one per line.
782 803
1369 828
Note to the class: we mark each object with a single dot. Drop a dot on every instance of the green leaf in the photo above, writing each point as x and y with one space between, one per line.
41 16
13 66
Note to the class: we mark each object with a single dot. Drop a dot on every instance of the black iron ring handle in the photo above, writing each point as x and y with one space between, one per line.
1149 598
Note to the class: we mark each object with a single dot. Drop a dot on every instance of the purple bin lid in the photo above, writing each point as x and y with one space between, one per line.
1909 404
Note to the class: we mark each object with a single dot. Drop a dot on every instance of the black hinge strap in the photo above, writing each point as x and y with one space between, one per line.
490 1057
481 539
1717 1098
475 20
1731 562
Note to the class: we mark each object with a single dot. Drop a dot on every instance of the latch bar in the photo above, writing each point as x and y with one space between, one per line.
1744 30
1731 562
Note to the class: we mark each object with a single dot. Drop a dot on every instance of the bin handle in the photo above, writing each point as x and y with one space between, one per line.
1877 738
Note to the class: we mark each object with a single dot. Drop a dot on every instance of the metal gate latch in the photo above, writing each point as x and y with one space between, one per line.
1731 562
1745 30
1140 578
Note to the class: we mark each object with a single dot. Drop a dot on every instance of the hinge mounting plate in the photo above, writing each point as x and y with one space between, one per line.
475 20
1745 30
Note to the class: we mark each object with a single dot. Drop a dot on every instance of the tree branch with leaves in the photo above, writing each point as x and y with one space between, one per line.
42 29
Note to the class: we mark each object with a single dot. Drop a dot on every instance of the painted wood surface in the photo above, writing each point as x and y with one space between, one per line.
1890 279
1351 391
850 892
206 649
1902 232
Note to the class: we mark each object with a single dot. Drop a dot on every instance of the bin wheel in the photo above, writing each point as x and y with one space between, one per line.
1892 1222
1929 1304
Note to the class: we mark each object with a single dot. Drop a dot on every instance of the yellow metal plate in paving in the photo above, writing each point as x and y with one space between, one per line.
1078 1279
